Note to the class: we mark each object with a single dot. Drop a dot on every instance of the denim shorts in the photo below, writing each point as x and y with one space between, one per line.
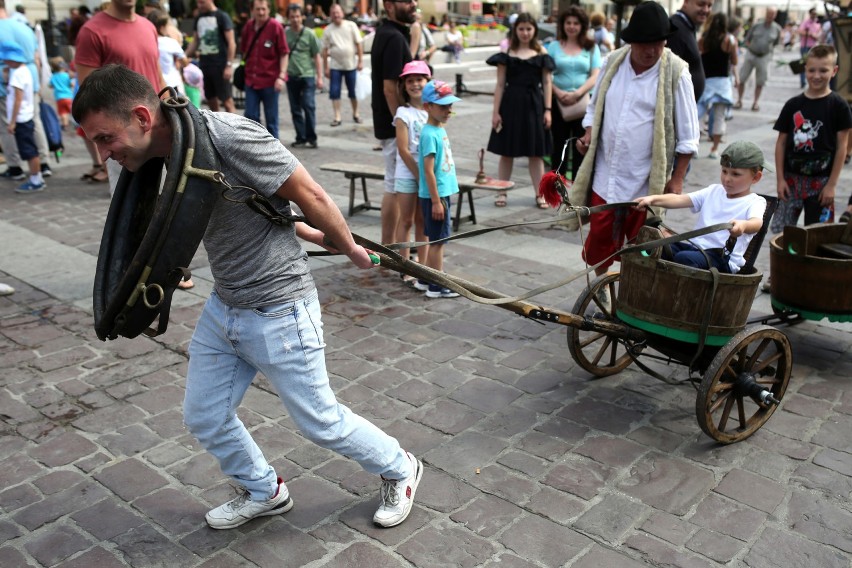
335 83
405 185
435 230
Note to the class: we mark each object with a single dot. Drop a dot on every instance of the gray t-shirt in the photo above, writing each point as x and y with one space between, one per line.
761 39
254 262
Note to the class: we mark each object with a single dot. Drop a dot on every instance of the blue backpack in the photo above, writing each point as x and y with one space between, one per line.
52 129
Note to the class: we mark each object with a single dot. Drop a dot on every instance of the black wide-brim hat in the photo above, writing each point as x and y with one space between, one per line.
648 24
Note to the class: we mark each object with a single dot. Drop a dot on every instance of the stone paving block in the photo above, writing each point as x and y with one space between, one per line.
487 515
63 449
18 496
41 397
315 499
484 365
659 553
11 557
777 549
130 440
669 528
166 454
168 425
360 518
143 546
772 442
612 517
201 471
715 546
334 533
8 531
460 328
556 505
109 419
728 517
541 540
761 493
446 416
206 541
96 557
444 350
361 554
107 519
601 415
447 546
33 334
599 556
59 504
508 422
92 462
443 493
570 432
485 395
807 406
55 545
509 561
835 434
820 520
524 463
339 468
503 483
792 425
662 440
415 392
826 481
130 478
65 358
310 455
543 445
157 400
671 485
62 411
579 476
58 480
176 511
610 451
465 453
770 465
540 381
15 411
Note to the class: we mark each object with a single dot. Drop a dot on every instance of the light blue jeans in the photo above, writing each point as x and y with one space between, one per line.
285 343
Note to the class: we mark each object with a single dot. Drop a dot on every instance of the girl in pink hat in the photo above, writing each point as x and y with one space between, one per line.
409 120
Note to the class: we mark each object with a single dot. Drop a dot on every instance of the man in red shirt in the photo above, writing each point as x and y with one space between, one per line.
117 35
266 64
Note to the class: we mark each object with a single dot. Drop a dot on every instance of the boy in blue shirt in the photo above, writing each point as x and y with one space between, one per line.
437 179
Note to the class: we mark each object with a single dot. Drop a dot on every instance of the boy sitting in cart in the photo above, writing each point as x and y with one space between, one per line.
731 201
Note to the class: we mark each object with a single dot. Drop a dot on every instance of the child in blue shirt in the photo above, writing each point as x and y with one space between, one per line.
63 90
20 111
437 179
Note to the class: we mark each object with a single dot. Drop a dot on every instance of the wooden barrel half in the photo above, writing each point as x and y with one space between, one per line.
805 279
671 300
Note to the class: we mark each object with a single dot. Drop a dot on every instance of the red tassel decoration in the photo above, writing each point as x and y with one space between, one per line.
554 188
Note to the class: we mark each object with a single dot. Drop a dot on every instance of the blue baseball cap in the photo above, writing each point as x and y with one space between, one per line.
438 93
10 51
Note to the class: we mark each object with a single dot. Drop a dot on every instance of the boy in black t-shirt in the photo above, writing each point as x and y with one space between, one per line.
811 146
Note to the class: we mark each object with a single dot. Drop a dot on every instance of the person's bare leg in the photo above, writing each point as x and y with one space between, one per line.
536 172
229 105
757 91
740 91
420 234
504 172
213 103
390 217
407 203
354 103
335 105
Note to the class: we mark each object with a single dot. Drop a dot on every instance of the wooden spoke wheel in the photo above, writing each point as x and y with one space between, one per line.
598 353
737 393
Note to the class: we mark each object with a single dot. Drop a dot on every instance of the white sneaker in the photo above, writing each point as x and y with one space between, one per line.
242 509
6 290
398 496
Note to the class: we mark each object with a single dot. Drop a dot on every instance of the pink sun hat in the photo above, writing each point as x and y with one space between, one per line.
416 68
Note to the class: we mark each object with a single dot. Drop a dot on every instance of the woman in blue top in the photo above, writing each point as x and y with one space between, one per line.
578 61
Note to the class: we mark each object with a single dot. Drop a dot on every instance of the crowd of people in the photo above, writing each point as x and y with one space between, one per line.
621 119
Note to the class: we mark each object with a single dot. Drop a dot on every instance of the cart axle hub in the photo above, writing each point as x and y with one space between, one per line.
746 385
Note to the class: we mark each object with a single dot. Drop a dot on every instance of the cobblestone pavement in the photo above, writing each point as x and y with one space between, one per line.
529 460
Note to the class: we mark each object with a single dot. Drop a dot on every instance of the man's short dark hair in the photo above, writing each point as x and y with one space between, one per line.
114 90
295 8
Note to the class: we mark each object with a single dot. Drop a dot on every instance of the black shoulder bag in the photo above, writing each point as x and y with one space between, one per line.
239 78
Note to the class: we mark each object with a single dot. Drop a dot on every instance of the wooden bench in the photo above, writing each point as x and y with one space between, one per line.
363 172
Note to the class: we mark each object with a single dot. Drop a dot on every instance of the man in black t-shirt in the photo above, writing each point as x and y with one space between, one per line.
389 55
687 20
216 48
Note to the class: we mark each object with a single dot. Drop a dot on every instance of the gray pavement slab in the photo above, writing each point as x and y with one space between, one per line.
530 461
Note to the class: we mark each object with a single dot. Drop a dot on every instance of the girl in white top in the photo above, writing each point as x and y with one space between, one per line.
172 56
409 121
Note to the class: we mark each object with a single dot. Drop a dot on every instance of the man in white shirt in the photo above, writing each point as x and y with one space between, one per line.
640 133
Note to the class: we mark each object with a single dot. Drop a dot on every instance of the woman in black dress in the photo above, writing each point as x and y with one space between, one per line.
521 118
